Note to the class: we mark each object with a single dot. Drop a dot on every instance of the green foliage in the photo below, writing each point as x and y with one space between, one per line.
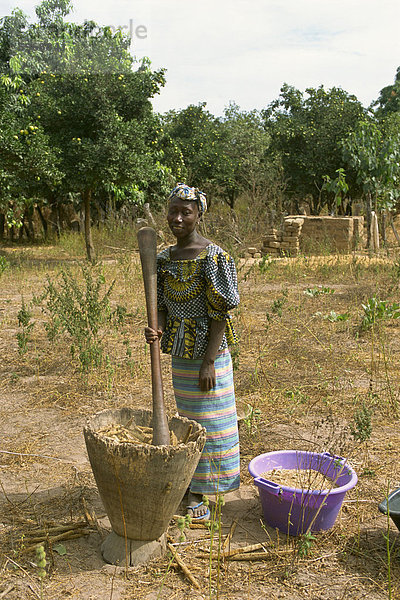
277 306
338 187
224 156
366 472
246 167
24 321
75 115
29 164
195 135
182 524
334 317
305 543
297 396
60 549
41 566
80 311
4 265
374 156
106 141
319 290
361 428
389 98
252 419
378 310
265 264
306 131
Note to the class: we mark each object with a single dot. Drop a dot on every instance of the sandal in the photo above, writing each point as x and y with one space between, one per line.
204 517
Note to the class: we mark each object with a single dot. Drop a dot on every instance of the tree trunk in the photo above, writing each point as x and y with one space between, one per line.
87 196
149 216
58 219
43 221
55 217
230 199
396 235
81 215
314 204
2 223
29 229
383 228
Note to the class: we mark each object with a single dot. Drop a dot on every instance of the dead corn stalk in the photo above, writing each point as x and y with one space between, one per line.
183 566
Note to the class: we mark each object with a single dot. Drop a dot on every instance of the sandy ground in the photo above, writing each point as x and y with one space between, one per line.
38 489
46 479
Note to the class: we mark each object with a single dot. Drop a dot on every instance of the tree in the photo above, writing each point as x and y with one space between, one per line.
306 132
375 158
246 167
28 162
195 132
338 187
77 85
224 156
389 99
103 132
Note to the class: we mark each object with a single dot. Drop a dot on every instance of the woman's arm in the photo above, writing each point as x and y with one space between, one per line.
207 377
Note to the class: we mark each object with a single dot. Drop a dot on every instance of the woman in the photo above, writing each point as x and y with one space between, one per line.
197 286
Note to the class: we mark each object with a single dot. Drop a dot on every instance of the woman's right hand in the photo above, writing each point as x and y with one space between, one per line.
152 335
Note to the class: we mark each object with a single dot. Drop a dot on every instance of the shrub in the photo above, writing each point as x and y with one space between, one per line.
80 310
4 265
378 310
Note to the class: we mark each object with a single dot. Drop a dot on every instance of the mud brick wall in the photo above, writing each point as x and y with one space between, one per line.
342 234
314 235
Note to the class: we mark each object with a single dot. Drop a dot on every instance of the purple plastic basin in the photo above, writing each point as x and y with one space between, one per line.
293 510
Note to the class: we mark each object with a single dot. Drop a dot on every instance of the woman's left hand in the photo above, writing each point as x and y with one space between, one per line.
207 378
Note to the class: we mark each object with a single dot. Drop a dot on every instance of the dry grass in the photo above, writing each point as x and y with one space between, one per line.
305 374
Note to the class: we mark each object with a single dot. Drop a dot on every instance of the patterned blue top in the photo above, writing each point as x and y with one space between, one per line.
192 292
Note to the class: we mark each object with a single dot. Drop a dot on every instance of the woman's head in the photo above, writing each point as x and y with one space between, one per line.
183 216
189 194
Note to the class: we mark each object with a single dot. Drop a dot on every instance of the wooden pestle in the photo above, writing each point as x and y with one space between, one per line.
147 239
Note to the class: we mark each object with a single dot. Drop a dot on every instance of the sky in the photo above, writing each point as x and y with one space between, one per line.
242 51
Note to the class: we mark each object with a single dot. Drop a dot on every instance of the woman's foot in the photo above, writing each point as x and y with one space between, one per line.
195 507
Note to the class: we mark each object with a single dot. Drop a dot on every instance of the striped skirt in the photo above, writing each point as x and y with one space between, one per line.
219 468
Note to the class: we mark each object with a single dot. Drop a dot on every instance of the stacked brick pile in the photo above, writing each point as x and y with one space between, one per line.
271 243
313 234
253 253
290 244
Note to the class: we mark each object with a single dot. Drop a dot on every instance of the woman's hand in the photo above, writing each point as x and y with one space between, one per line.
152 335
207 378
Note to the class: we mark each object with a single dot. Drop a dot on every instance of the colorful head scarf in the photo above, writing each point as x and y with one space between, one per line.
184 192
